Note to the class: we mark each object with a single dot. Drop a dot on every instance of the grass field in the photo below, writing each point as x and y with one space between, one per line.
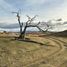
39 51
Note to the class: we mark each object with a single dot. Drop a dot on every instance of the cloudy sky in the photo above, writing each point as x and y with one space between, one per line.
45 9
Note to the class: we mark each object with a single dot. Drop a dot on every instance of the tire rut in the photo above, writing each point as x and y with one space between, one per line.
58 58
52 54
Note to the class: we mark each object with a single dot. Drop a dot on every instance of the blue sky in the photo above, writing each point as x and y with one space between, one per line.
45 9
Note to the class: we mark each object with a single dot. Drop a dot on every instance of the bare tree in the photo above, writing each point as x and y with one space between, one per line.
28 24
20 24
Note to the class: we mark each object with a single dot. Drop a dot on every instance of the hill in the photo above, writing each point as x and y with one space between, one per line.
62 33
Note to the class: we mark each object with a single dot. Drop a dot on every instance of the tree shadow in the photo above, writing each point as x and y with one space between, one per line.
29 40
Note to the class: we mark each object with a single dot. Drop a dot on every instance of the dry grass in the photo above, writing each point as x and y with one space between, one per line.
14 53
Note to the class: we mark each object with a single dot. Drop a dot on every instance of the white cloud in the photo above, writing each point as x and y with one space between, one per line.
44 15
8 20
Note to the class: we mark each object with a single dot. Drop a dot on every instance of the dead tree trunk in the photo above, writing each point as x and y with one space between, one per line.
20 36
27 25
20 24
23 33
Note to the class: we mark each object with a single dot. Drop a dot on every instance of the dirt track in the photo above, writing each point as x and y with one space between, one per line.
54 59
